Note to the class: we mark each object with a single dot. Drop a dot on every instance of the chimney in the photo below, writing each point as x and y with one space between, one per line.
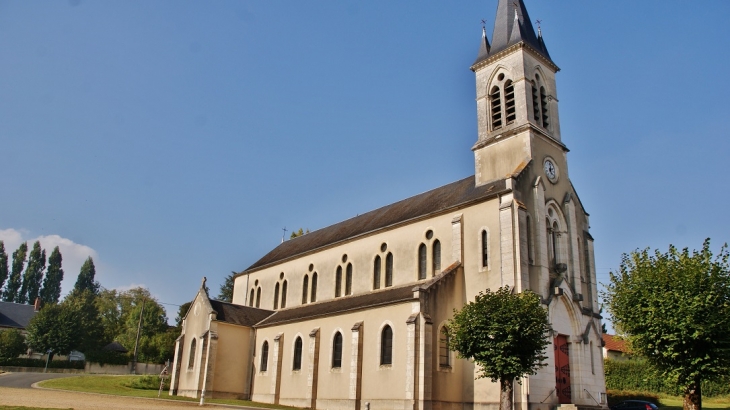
37 304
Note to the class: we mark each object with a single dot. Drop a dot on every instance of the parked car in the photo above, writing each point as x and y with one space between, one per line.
634 405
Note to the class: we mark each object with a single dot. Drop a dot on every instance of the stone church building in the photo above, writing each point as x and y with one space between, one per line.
352 316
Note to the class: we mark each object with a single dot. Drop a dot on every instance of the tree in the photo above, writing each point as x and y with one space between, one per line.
13 285
90 328
12 344
505 334
226 291
674 308
181 312
3 264
85 280
30 289
51 291
298 233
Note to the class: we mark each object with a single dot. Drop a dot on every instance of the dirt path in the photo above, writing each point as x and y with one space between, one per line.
84 401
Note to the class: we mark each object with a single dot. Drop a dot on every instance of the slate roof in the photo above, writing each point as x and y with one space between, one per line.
238 314
509 31
437 200
15 315
387 296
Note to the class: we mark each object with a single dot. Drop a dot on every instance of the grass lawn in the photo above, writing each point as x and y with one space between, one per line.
675 403
121 386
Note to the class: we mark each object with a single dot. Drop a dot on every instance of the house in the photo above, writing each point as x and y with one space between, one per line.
351 316
17 315
615 348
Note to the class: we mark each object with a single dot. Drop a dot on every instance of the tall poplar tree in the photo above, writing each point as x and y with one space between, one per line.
51 291
85 280
13 285
3 265
31 287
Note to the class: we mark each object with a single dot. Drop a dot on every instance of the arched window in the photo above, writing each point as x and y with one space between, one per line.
337 350
283 295
389 270
535 102
297 364
314 288
338 282
444 359
496 108
554 240
191 358
258 297
436 257
422 261
386 345
530 255
509 102
305 290
250 300
485 249
276 296
348 280
264 357
544 105
376 273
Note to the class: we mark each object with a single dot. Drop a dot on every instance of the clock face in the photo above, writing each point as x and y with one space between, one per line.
551 171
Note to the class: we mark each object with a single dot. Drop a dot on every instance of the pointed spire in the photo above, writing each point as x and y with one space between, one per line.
543 47
513 25
483 46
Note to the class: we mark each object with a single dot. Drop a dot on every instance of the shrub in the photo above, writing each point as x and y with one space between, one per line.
633 376
149 382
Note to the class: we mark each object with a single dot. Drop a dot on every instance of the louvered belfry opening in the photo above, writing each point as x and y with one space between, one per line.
496 101
535 103
544 104
509 102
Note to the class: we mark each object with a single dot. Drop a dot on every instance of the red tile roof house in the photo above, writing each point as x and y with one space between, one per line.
615 348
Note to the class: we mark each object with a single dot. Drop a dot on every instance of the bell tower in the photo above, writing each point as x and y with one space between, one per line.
516 94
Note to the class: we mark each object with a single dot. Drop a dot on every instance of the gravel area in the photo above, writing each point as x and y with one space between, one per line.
84 401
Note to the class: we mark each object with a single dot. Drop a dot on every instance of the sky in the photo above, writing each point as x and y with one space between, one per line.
172 140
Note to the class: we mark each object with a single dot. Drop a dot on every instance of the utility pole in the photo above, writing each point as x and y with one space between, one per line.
136 342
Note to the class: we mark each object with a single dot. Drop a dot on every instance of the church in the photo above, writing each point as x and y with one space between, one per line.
351 316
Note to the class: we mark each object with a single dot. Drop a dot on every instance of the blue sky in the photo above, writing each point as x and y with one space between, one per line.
172 140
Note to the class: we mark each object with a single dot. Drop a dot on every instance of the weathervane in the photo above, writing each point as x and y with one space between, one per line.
539 28
284 235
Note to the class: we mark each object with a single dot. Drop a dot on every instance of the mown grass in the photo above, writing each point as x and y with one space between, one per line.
675 403
130 386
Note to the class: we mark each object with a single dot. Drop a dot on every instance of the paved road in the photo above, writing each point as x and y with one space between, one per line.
25 380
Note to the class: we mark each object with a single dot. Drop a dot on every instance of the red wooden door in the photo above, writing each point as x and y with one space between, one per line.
562 369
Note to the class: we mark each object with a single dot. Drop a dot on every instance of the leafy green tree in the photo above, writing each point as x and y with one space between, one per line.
110 313
3 264
85 280
674 308
12 288
298 233
226 291
181 312
30 289
90 329
12 344
54 328
505 334
51 291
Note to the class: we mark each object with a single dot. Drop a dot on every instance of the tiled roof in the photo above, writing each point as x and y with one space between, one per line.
611 342
238 314
386 296
15 314
437 200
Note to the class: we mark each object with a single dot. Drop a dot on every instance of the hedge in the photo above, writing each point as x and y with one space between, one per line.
638 376
53 364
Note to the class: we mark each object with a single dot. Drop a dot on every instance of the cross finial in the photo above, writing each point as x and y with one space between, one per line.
539 28
282 236
202 284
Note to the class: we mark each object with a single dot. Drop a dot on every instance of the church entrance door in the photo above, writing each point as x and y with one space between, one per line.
562 369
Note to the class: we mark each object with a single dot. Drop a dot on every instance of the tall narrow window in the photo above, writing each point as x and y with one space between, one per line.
496 108
554 241
337 350
544 105
422 262
258 297
250 300
348 280
283 295
530 256
389 270
485 249
376 273
444 359
305 290
264 357
297 364
314 288
509 102
535 103
338 282
386 345
436 257
276 296
191 358
593 368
